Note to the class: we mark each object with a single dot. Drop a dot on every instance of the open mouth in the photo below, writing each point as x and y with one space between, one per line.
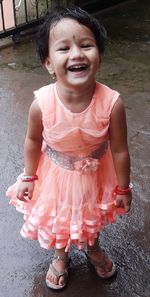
78 68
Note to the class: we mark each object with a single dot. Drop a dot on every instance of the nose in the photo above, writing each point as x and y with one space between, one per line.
76 52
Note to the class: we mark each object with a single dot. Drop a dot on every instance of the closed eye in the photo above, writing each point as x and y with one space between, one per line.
86 45
65 48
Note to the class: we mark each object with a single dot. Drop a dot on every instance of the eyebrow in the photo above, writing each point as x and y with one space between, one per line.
82 38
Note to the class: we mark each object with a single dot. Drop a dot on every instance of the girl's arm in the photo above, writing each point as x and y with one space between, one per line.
120 152
33 140
32 149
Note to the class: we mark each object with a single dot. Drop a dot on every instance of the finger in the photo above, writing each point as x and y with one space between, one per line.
127 207
30 193
118 202
20 197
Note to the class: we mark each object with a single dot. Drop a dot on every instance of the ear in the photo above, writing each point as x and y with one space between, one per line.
48 66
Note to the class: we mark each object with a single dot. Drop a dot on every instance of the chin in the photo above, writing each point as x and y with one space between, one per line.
80 82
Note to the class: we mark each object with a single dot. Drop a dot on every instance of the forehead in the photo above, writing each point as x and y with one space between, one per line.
69 28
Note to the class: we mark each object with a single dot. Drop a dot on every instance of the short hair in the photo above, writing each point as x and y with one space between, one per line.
75 13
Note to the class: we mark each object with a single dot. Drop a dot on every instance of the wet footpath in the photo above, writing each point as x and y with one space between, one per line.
125 67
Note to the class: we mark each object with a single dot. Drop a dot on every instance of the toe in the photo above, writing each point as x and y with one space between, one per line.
61 281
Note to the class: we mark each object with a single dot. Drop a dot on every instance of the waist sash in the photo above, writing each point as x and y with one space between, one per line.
83 164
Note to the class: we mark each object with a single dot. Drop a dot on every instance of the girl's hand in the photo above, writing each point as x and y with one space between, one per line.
124 201
25 191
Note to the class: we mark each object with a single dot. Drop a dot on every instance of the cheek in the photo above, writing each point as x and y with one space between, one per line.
59 65
95 56
96 61
57 61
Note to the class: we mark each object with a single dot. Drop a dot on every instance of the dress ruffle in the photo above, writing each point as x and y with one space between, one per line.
73 213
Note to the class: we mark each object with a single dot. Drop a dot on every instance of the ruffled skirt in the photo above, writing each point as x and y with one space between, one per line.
68 206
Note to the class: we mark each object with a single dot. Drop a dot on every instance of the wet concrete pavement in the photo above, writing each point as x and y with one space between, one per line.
125 68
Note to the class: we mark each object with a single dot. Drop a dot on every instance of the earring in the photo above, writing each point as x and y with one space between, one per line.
52 73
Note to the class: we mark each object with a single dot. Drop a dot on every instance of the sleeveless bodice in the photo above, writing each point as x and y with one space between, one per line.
76 133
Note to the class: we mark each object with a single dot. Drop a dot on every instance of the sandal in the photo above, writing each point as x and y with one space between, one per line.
104 266
58 274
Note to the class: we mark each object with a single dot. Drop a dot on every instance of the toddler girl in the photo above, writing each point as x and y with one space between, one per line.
77 166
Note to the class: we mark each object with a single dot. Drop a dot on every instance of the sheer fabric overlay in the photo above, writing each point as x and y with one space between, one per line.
70 205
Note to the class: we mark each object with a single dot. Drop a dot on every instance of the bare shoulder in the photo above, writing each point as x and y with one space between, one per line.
118 106
118 115
118 112
35 111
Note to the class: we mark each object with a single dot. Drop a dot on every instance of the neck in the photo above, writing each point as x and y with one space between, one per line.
75 94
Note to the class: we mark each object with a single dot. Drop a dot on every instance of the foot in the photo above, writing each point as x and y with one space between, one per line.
57 274
104 266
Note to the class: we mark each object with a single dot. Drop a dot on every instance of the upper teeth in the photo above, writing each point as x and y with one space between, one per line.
77 66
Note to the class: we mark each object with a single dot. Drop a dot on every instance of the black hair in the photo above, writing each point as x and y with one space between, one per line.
76 13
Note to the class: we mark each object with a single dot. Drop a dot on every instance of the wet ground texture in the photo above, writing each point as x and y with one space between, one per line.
126 68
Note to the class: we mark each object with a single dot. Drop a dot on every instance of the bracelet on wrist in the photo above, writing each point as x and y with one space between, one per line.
29 178
120 191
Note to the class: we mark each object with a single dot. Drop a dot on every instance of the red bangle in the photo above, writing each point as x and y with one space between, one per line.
119 191
29 178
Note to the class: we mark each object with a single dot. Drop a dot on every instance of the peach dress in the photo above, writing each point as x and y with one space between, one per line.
73 197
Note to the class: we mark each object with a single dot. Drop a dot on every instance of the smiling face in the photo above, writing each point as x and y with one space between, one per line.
73 54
